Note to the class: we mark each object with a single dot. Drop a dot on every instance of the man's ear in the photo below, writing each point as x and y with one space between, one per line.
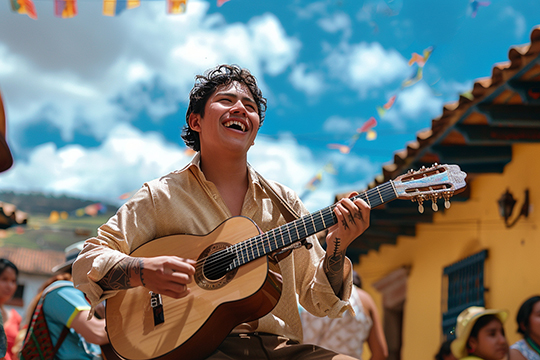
195 122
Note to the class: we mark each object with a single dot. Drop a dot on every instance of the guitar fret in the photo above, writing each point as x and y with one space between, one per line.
379 191
322 218
367 198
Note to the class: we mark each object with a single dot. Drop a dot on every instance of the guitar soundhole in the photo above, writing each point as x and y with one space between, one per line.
211 271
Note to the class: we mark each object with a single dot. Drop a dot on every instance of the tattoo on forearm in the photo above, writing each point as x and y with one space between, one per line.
333 268
118 277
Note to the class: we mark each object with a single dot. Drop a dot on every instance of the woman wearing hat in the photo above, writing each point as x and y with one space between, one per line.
528 320
480 334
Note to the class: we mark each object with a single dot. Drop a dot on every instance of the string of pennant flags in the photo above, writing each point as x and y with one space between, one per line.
68 8
418 61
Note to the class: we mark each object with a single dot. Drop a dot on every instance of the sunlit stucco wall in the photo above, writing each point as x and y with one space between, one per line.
511 269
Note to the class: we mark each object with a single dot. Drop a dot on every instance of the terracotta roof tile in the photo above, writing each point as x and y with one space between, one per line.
32 261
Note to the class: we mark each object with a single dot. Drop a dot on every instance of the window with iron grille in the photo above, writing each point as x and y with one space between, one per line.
463 286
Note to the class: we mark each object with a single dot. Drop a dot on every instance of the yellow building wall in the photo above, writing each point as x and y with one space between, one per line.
512 268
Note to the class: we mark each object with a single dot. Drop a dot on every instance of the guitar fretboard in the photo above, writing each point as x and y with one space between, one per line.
285 235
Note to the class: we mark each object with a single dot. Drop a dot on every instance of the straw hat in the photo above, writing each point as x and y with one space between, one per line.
465 323
6 160
71 252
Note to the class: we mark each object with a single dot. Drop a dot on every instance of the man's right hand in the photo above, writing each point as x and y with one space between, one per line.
165 275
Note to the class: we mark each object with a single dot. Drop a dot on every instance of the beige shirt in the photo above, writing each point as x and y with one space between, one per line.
184 202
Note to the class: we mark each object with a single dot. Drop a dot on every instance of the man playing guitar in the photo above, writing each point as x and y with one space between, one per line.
225 113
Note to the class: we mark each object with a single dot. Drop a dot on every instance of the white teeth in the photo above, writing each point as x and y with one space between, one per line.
234 122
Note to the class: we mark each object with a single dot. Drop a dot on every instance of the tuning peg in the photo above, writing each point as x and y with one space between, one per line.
447 204
446 197
434 205
420 200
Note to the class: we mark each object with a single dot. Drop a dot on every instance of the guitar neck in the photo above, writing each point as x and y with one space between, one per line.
285 235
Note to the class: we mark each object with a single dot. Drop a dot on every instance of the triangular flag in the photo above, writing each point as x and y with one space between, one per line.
221 2
176 6
344 149
115 7
24 7
65 8
414 79
367 125
371 135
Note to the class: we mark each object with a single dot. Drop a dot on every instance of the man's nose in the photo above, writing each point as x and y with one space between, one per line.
238 107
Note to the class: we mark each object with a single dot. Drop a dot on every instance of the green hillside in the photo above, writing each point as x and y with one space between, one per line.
52 233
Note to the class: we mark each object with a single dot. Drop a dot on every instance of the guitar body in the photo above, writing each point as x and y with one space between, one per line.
195 325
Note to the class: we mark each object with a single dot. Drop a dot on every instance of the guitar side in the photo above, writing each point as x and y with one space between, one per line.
195 325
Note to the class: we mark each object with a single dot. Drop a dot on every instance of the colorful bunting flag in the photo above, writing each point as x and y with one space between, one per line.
383 109
176 6
344 149
371 123
315 181
115 7
24 7
366 127
127 195
371 135
65 8
421 59
221 2
414 79
475 4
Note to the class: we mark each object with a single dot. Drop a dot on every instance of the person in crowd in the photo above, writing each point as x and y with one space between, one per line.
11 319
65 306
349 333
528 321
224 115
480 334
6 161
445 353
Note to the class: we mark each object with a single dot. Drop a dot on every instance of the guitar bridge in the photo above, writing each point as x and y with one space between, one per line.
157 308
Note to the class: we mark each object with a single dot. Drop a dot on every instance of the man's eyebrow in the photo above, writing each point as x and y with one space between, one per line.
224 93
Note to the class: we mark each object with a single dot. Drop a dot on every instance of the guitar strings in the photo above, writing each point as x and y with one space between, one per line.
254 244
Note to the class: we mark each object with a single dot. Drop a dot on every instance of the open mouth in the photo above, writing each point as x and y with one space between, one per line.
236 125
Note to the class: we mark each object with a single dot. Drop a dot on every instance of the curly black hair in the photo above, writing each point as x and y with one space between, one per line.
206 85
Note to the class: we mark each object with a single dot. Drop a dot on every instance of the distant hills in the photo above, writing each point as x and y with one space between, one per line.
43 204
46 232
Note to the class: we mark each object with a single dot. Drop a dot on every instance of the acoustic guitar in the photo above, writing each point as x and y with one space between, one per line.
232 284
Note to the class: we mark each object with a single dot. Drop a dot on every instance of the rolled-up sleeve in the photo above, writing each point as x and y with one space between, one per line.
131 226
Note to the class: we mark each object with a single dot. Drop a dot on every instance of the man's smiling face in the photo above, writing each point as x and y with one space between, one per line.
231 119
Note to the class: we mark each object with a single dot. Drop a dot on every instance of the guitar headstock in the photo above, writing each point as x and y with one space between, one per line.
432 183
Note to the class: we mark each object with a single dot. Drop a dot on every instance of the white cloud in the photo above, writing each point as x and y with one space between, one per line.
364 67
122 163
312 83
338 21
516 17
78 83
414 103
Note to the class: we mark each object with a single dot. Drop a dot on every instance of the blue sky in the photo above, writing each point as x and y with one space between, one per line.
95 104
